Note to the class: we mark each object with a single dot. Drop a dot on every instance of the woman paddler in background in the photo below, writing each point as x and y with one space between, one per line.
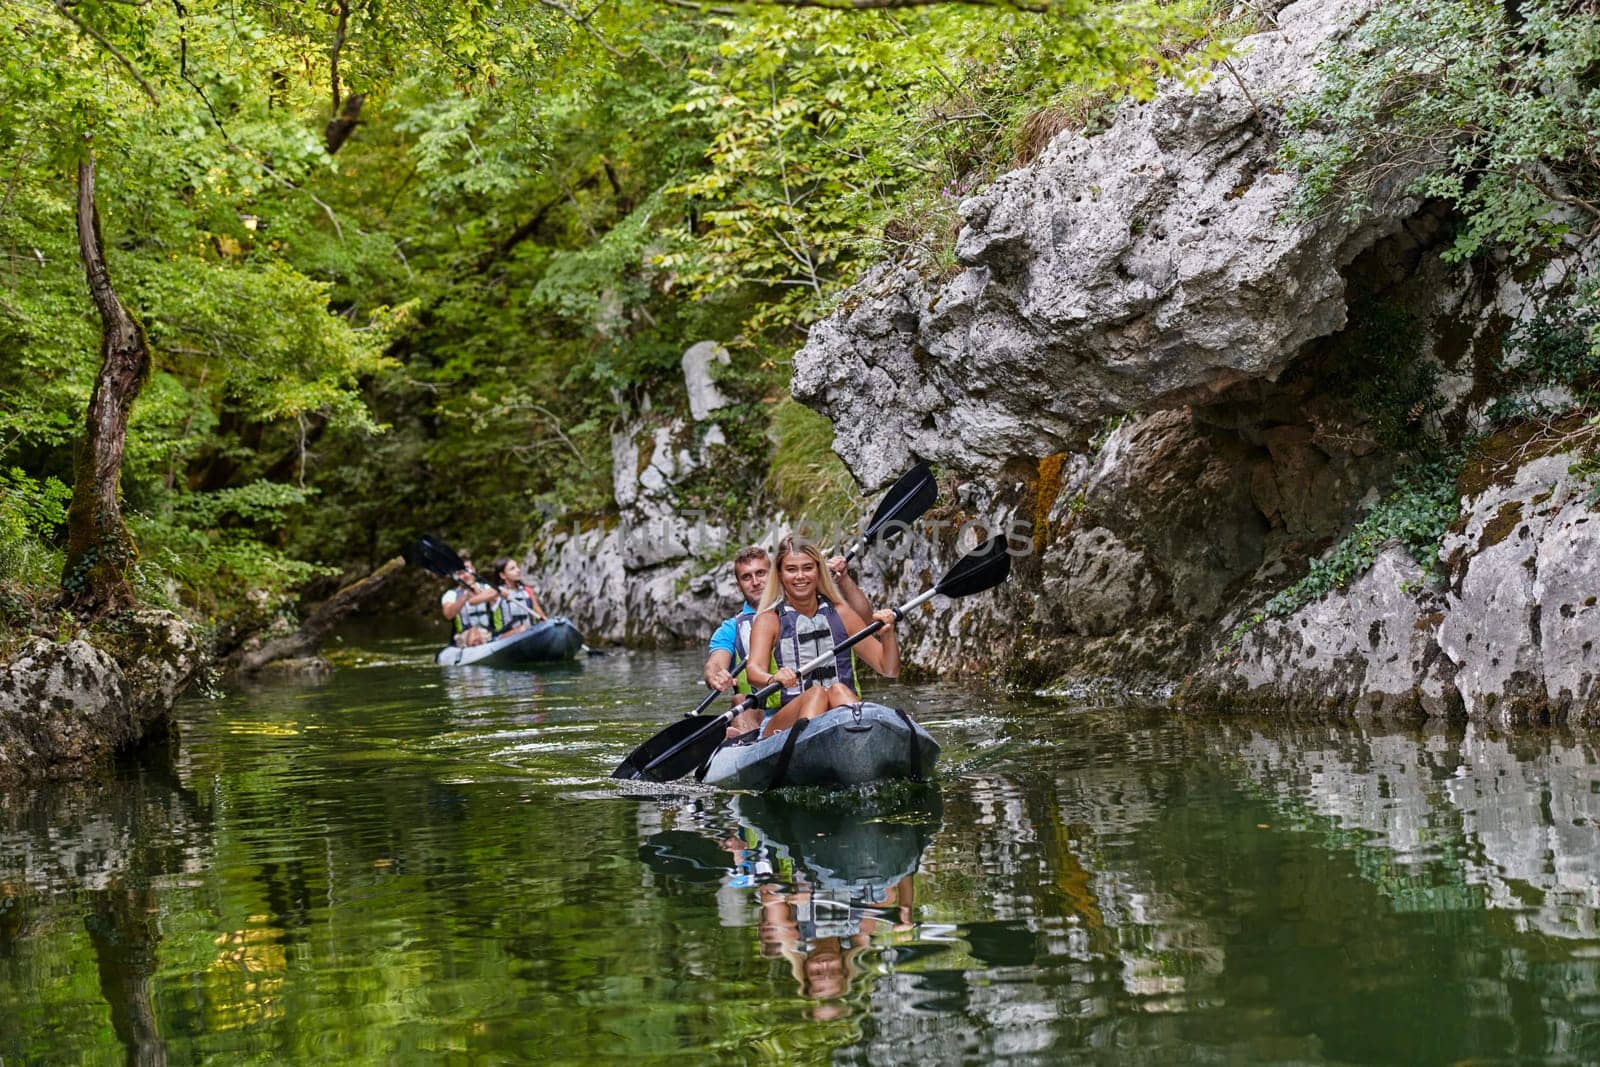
519 606
814 618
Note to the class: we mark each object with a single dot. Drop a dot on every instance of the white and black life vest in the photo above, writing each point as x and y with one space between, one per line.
471 615
515 606
802 638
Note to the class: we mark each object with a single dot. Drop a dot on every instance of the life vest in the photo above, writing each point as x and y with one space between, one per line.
741 652
514 607
802 638
470 615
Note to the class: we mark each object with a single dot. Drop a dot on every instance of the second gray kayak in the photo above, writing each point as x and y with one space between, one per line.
544 642
853 745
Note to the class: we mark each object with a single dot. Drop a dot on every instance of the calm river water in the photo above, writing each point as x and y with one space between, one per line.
405 865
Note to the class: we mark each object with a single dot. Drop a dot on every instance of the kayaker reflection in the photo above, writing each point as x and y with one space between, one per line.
469 607
822 937
518 607
811 616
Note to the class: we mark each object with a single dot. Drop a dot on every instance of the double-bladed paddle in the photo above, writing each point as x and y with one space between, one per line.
907 500
681 747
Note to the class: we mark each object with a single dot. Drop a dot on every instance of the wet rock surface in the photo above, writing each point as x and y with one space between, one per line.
67 707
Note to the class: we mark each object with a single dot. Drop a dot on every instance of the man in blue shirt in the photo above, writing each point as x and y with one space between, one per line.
750 569
730 642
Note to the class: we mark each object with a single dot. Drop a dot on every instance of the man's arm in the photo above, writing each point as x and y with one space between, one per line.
716 672
721 649
852 592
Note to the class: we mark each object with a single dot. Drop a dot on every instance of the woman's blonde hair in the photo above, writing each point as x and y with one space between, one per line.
792 545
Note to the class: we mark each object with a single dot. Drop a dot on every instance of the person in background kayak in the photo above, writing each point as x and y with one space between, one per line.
468 606
813 618
519 606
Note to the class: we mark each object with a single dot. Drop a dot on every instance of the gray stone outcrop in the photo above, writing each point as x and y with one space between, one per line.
1372 649
659 574
704 396
66 707
1148 266
1510 638
1521 616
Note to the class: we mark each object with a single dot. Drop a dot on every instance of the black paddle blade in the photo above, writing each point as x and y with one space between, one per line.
432 554
675 751
983 568
905 502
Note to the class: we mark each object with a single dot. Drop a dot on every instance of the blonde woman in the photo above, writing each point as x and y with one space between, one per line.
813 618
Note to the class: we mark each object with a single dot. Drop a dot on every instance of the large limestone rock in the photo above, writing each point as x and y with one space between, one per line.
1147 266
1370 650
1521 618
1511 638
66 707
660 575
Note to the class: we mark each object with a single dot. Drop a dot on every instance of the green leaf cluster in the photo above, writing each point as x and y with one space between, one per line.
1493 107
441 324
1417 510
1550 364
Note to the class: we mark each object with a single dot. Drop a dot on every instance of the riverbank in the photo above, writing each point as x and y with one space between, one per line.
68 706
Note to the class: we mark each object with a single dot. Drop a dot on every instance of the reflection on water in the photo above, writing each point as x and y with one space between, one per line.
833 884
404 864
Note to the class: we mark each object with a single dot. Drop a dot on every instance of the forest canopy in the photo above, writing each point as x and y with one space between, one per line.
406 265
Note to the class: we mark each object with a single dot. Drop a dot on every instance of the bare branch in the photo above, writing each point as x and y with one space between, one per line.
287 184
583 22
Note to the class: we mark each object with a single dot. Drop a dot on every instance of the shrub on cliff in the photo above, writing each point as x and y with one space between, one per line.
1493 107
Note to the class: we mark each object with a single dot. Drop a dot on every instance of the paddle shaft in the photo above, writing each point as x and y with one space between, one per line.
855 550
760 695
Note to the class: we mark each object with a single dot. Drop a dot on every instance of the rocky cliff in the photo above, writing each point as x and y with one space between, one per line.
1191 394
1187 396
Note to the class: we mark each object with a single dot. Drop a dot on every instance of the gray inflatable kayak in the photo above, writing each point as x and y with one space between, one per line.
853 745
548 641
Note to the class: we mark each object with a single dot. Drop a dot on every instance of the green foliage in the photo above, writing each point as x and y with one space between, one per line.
1556 351
32 512
807 479
837 136
441 325
1420 506
1458 99
209 553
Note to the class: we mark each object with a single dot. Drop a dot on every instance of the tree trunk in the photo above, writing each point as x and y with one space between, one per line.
342 125
308 639
99 548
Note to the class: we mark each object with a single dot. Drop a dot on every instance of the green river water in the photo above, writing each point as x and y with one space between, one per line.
406 865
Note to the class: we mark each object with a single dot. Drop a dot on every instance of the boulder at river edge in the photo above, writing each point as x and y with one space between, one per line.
67 706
